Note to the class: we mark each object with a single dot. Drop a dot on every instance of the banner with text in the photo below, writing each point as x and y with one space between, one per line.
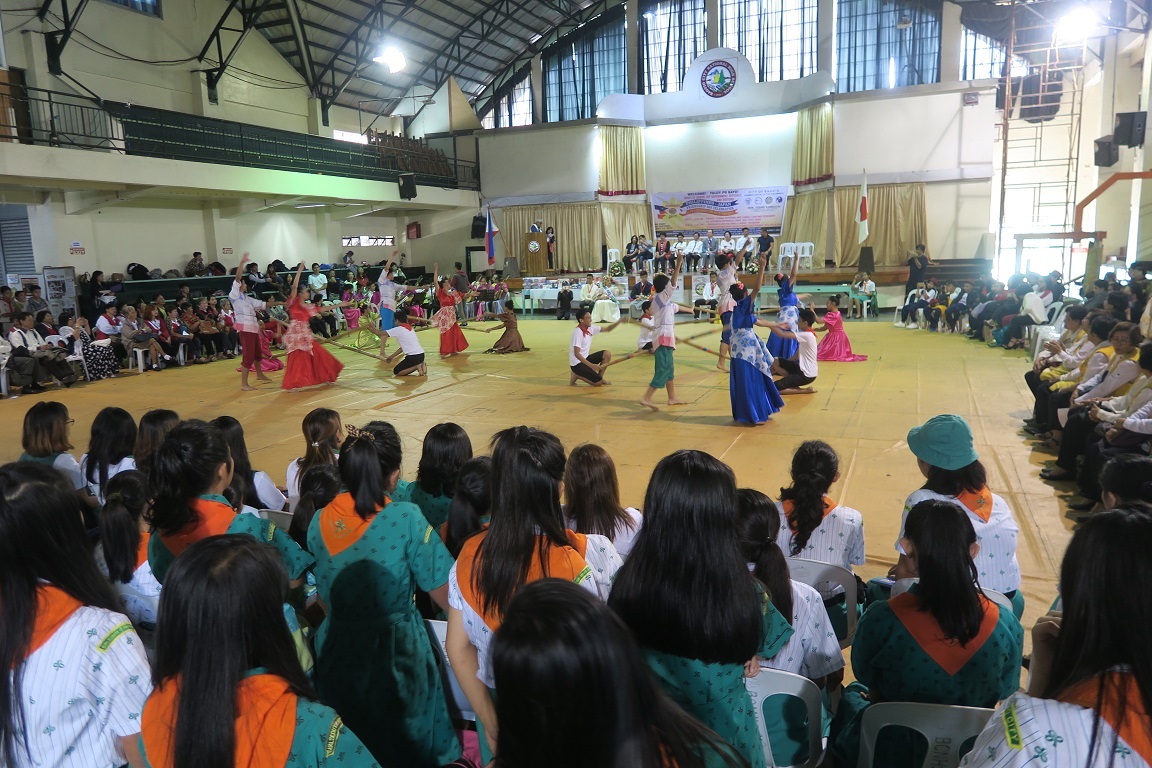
720 210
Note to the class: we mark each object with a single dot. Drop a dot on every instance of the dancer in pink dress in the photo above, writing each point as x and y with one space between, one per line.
451 337
835 347
309 363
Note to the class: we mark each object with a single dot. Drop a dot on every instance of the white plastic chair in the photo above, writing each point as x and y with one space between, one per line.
281 518
141 356
903 585
945 727
787 252
772 682
438 630
805 252
1037 335
816 574
613 255
4 377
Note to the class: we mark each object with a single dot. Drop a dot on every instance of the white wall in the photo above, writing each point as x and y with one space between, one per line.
540 161
720 154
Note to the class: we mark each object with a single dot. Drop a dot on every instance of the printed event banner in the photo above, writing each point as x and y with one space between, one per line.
720 210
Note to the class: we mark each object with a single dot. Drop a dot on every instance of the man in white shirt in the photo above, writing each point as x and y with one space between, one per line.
693 250
410 347
24 372
799 373
710 297
586 365
53 359
744 247
318 283
588 292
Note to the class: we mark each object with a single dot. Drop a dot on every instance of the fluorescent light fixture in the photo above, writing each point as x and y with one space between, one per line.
1079 23
891 73
391 57
309 205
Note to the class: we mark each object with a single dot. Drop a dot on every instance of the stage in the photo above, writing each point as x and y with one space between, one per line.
863 409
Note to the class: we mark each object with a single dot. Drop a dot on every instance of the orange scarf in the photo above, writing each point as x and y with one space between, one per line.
562 563
142 550
978 502
212 519
265 722
925 630
340 526
1134 726
788 506
54 606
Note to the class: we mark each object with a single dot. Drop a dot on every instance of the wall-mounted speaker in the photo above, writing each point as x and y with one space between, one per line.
479 226
407 186
1107 152
1130 128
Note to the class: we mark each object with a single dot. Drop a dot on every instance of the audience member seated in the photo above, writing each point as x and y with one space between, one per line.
1033 311
108 327
592 493
109 449
1061 355
445 450
24 372
1057 394
25 341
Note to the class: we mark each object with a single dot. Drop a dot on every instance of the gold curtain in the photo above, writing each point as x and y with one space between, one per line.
812 156
579 235
622 220
806 221
897 221
621 160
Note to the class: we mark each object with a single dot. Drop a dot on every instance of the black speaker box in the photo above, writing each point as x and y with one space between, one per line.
479 226
1107 152
407 186
1130 128
867 261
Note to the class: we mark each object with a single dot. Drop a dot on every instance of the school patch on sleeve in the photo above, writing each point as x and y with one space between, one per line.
333 737
1012 727
583 576
110 638
428 535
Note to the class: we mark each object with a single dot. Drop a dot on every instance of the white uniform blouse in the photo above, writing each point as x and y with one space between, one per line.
813 650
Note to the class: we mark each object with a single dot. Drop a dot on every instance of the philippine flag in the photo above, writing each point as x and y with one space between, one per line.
490 232
862 211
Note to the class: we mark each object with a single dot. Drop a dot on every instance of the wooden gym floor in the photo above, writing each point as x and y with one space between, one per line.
863 410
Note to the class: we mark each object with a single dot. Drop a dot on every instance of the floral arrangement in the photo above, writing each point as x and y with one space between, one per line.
752 268
616 269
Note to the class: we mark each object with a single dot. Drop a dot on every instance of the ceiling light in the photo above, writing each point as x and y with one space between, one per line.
1079 23
391 57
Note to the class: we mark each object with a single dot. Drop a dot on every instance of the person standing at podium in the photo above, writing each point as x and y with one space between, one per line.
550 237
537 226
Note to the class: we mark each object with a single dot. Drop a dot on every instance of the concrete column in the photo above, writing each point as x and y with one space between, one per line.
536 76
951 43
1140 224
632 44
712 22
316 124
826 36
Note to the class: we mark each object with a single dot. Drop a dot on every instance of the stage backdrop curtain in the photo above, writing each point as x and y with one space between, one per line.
807 222
579 235
622 220
812 157
897 221
621 160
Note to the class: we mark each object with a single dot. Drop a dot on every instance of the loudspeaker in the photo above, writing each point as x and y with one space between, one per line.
407 186
479 226
1107 152
867 261
1130 128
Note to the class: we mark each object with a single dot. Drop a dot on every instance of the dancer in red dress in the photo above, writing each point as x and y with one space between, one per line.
309 364
451 337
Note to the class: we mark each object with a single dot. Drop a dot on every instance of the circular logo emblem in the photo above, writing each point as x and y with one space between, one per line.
719 79
533 246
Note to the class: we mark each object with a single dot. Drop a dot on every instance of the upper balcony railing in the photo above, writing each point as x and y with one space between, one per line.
49 118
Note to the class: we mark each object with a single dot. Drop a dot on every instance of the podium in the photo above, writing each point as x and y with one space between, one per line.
535 254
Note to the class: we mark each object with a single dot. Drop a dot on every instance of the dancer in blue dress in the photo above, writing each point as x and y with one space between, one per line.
789 313
752 389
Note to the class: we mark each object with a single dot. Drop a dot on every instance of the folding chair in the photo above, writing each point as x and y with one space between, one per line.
804 252
817 575
282 519
787 251
948 729
771 683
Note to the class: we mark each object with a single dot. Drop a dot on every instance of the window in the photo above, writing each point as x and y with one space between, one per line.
513 107
489 120
886 44
671 36
984 58
350 136
584 67
367 241
150 7
777 36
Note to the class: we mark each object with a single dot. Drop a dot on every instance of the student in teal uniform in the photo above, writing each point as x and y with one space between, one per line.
228 685
574 693
446 448
700 617
374 663
942 642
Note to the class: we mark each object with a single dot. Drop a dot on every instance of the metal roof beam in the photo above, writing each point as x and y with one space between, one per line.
250 11
308 69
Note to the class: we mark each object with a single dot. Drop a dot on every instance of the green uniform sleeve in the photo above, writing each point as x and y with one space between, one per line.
428 558
160 558
403 491
871 633
296 560
322 739
1013 634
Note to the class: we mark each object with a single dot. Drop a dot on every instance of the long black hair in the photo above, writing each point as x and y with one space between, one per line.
446 448
42 539
1128 477
470 504
814 468
220 617
592 491
184 467
368 459
685 589
527 468
759 527
567 667
318 486
113 437
125 502
154 427
242 472
1105 580
952 482
949 589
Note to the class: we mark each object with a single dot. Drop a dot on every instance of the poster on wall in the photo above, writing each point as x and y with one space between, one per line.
720 210
60 289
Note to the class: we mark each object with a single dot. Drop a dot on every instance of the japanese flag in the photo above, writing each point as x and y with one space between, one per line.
862 211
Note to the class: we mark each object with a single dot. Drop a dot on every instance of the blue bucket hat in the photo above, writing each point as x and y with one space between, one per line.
943 441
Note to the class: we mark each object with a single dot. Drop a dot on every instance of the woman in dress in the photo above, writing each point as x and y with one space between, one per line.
309 364
750 386
726 272
789 313
386 290
510 340
451 337
99 359
835 347
136 334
